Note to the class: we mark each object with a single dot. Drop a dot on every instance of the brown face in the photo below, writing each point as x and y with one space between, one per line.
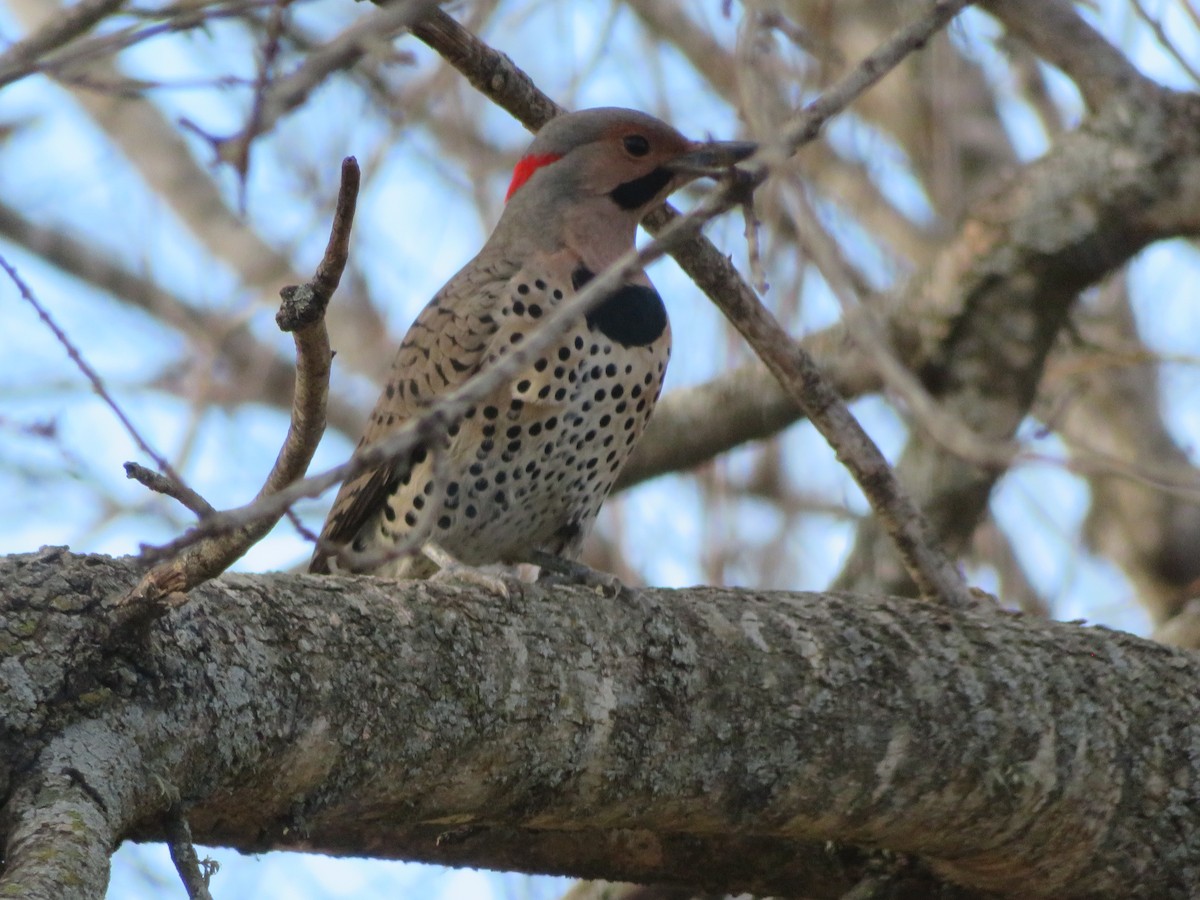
630 158
639 156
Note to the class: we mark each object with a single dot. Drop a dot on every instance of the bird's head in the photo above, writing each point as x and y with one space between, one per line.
604 169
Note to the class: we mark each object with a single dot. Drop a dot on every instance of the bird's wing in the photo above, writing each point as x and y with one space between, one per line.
447 344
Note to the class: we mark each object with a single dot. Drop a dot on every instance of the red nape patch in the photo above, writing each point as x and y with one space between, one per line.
525 169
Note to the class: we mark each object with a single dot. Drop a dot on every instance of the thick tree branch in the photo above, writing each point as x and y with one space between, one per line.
1001 291
1001 752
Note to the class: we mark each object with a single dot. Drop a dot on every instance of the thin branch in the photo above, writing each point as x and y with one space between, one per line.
248 369
1164 39
866 330
263 76
303 313
88 51
276 97
22 57
489 71
94 378
193 873
163 484
1059 35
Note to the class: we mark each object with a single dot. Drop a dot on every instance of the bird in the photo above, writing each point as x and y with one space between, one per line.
521 476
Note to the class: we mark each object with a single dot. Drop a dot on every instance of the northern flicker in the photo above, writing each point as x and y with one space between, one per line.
526 471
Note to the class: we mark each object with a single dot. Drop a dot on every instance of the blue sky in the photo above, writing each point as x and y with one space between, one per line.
418 222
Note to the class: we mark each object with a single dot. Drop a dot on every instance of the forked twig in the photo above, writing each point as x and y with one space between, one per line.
303 313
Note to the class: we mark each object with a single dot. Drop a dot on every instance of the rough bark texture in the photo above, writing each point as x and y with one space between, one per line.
689 733
1014 271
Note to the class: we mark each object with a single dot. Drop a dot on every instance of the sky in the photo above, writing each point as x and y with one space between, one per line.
417 224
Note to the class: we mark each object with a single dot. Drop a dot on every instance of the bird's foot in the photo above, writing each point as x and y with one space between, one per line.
451 571
557 570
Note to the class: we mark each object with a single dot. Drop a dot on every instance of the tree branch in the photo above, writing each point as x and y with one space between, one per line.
1060 36
1004 287
302 313
21 58
693 731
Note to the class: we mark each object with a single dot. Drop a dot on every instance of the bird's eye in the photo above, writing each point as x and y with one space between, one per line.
636 145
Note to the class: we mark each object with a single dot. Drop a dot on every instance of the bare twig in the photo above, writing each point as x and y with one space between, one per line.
94 378
275 97
489 71
263 76
163 484
866 330
1164 39
249 369
302 313
194 874
59 61
22 57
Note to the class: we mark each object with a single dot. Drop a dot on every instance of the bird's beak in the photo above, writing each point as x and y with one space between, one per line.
711 158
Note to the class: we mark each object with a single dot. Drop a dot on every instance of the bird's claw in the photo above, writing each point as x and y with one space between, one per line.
559 571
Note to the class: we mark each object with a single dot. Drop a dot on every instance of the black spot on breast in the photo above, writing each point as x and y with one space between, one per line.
581 276
640 191
633 316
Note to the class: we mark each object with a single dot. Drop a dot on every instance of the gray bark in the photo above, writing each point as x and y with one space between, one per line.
719 739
